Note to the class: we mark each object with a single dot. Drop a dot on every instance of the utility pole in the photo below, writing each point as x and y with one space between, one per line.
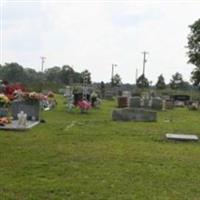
144 60
43 61
112 75
136 75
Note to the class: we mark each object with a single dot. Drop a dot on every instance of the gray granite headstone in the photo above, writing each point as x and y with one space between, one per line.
134 114
109 95
178 103
146 103
193 106
31 109
126 93
134 102
157 103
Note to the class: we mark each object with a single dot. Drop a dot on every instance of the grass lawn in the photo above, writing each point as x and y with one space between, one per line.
89 157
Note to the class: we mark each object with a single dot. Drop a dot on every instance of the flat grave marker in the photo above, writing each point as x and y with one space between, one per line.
182 137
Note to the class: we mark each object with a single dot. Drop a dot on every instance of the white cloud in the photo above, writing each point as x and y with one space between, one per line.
94 35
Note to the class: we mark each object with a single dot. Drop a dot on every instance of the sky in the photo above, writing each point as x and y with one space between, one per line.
94 34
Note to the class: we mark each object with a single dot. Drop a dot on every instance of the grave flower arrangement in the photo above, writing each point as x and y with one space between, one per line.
84 106
27 97
10 89
32 97
4 101
50 94
4 104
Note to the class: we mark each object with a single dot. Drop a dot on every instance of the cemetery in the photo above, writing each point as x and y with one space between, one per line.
73 149
105 103
20 110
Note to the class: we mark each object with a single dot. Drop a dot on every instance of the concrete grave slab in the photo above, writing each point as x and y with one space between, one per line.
182 137
15 127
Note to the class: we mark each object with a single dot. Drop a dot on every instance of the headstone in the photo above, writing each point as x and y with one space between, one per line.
68 91
109 95
169 104
126 93
166 97
31 109
134 102
157 103
132 114
135 94
193 105
182 137
183 98
178 103
146 103
122 102
145 95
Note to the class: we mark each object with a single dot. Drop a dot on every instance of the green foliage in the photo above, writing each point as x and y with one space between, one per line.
116 80
75 156
161 83
86 77
194 51
177 81
13 72
142 82
53 74
194 44
195 78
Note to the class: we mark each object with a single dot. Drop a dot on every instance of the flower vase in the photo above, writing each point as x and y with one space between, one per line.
3 112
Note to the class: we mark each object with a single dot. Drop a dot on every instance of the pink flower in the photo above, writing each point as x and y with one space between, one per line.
84 105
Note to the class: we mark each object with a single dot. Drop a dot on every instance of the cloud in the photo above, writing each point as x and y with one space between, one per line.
94 35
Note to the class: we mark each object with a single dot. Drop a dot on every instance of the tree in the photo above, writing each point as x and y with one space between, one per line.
13 72
66 74
116 80
177 81
86 77
53 74
31 75
161 83
195 78
194 51
142 82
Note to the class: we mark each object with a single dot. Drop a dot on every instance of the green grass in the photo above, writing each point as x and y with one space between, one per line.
90 157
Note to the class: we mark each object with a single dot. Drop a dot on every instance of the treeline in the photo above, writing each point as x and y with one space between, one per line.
53 77
176 83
